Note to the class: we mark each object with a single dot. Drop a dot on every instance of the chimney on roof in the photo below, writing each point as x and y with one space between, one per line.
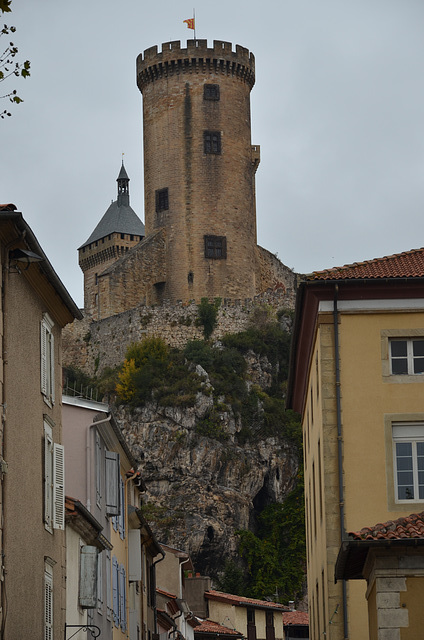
291 605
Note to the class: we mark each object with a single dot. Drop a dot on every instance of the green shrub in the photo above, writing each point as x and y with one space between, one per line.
207 315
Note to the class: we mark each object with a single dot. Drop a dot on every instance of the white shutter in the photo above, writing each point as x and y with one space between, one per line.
43 346
59 486
134 555
48 475
112 477
50 364
48 603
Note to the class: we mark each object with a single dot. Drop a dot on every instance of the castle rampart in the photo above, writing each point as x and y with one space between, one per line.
196 57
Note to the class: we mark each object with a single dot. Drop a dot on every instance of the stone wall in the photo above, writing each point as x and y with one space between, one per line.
94 345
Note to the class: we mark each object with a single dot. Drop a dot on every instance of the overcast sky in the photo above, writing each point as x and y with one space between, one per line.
338 109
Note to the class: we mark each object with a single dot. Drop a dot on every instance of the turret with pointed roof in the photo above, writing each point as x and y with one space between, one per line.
118 231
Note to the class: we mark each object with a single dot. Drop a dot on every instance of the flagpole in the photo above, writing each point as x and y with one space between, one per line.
194 22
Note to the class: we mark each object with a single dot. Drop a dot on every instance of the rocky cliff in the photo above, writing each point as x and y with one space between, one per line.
202 489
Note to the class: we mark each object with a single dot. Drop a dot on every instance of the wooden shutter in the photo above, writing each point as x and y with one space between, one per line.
48 475
115 591
123 597
48 603
108 587
58 486
134 555
122 513
43 346
112 478
98 470
50 364
88 577
100 582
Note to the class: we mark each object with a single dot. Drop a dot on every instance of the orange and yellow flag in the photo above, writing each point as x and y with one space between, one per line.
190 23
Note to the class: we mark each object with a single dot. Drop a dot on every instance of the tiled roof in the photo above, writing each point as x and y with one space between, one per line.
408 527
409 264
166 593
241 601
208 626
295 618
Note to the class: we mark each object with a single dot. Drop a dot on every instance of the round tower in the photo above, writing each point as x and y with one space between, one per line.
199 166
119 230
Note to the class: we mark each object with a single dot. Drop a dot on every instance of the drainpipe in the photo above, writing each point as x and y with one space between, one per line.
153 588
127 551
340 446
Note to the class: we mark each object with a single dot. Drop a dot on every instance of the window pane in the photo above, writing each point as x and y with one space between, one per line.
421 493
404 449
398 348
418 347
405 493
405 478
404 464
418 365
399 366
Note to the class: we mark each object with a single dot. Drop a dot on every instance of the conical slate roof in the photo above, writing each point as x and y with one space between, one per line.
119 218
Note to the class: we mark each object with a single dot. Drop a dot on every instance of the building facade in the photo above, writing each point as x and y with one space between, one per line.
357 379
35 307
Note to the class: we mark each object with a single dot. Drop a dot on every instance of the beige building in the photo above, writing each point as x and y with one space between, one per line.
389 556
357 375
254 619
35 307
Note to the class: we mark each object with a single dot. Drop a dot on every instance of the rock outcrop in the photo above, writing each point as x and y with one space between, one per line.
201 490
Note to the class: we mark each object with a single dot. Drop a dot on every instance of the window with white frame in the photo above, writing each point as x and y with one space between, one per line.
406 356
47 359
408 454
48 602
54 481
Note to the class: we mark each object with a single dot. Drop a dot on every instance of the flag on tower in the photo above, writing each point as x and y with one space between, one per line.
190 23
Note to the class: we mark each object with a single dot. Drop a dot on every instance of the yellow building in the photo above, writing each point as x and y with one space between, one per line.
357 379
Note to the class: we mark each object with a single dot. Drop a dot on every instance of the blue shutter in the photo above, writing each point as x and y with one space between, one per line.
112 478
122 597
115 591
122 514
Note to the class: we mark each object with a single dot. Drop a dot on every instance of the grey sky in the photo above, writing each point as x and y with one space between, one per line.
337 109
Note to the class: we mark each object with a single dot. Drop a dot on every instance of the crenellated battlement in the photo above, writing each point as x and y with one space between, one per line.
197 57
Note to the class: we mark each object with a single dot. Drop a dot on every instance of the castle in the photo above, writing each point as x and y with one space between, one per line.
199 238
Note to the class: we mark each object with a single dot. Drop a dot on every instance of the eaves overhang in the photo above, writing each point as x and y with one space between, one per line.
26 237
353 554
309 294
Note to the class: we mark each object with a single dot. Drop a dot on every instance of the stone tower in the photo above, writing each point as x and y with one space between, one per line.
119 230
199 167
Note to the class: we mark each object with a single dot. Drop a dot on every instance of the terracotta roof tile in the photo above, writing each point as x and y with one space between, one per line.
241 601
295 617
166 593
409 264
403 528
208 626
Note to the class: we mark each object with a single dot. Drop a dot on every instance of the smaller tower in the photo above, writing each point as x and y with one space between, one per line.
119 230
